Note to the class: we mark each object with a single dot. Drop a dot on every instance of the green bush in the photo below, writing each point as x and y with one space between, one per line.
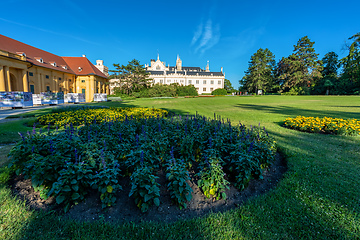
219 91
189 90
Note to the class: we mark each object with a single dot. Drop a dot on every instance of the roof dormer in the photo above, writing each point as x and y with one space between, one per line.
64 67
21 54
39 59
53 64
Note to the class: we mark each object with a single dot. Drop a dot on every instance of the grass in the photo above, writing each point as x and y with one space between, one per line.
318 198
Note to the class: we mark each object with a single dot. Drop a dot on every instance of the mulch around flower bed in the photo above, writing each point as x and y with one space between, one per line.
125 209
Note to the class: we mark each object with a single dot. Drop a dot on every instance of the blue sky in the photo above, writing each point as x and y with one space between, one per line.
225 33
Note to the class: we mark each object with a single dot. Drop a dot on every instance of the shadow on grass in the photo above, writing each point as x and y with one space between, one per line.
293 111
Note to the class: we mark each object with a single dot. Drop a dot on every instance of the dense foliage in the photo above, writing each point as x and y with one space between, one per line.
260 74
66 164
219 91
324 125
302 73
301 69
162 90
133 77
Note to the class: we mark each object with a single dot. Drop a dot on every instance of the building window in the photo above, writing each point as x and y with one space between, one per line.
197 89
59 79
32 89
219 82
31 74
83 91
169 80
204 89
197 81
161 81
60 90
189 81
69 80
182 81
48 88
211 89
211 82
47 76
204 82
82 81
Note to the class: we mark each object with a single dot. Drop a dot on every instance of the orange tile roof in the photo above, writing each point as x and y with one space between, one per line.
82 66
45 59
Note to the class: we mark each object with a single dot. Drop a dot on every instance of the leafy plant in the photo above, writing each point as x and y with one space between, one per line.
144 188
106 181
178 177
212 179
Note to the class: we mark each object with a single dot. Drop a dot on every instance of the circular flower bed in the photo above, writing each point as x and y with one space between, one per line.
325 125
67 164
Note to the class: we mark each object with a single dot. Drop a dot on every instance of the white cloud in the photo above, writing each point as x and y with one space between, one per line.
206 37
197 34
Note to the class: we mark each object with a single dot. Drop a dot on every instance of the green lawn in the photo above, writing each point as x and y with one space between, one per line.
318 198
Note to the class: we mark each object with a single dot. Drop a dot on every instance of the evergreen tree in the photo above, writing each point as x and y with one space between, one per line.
260 74
330 74
133 77
350 77
300 71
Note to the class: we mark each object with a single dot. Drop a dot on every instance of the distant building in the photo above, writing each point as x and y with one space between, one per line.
104 69
203 80
29 69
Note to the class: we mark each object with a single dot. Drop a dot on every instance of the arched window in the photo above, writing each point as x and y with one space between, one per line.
157 67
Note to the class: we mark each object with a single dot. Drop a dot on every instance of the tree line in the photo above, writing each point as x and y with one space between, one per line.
303 73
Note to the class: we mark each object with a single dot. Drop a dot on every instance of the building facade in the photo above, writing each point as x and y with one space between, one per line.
204 80
29 69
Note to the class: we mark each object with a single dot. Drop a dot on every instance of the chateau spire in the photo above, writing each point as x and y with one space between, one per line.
178 63
207 67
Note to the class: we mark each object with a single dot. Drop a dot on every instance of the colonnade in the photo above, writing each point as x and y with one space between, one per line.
5 80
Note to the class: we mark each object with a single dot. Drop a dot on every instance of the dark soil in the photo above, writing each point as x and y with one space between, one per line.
125 209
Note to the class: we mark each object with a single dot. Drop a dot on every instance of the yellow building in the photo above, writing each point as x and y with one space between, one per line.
29 69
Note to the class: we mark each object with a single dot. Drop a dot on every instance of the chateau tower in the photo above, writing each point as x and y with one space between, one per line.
178 63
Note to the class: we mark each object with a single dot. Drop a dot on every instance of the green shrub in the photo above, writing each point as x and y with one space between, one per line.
188 90
219 91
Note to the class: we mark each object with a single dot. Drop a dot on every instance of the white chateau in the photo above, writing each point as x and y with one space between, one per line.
203 80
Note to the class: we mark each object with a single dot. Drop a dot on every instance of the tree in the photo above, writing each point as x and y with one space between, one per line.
301 69
329 73
227 85
351 66
133 77
260 74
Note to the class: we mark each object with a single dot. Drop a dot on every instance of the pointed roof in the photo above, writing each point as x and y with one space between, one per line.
82 66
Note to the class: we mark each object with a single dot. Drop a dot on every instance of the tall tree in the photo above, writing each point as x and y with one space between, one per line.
227 86
133 76
351 66
301 69
329 73
260 74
